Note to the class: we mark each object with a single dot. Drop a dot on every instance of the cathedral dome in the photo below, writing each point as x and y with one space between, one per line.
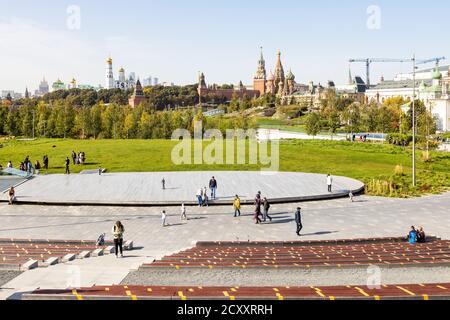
271 77
437 75
290 76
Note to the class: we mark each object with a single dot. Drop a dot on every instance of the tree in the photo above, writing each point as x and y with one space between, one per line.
352 117
313 124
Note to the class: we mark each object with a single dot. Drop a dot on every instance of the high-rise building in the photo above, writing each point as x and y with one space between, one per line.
147 82
43 88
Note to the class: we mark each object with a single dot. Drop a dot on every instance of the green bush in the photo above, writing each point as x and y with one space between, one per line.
399 139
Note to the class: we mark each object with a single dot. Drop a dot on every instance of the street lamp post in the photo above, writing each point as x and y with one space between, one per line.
414 121
33 122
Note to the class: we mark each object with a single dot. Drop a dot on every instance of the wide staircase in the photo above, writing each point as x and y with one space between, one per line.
22 254
392 252
310 254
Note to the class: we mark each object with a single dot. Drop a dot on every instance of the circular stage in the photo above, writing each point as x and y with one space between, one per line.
145 189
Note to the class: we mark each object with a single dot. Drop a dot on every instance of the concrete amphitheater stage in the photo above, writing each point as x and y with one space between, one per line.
145 189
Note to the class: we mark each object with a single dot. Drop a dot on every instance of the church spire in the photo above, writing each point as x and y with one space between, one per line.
261 73
279 73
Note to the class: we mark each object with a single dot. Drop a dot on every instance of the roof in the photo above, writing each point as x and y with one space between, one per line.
404 84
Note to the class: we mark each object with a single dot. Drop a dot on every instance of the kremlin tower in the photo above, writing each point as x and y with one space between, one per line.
259 82
138 96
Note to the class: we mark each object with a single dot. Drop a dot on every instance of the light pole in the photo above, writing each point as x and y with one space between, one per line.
414 121
33 122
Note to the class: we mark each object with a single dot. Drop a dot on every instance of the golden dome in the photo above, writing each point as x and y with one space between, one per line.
121 70
109 61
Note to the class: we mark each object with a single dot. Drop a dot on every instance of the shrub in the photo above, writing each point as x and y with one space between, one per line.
399 139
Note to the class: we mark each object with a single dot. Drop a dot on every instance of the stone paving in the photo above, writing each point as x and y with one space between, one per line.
146 188
333 219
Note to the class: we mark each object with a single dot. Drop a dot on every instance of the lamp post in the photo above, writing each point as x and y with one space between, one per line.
33 122
414 121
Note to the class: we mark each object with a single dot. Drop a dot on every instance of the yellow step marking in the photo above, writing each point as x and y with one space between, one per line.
426 297
181 295
279 296
319 292
378 298
75 293
406 291
362 292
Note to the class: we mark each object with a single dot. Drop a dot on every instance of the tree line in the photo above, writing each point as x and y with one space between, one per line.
340 114
62 118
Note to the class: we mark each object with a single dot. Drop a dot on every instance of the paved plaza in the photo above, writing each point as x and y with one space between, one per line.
333 219
181 187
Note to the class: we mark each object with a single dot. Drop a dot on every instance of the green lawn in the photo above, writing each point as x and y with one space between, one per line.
361 161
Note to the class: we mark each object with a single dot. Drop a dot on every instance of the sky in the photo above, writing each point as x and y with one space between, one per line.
175 39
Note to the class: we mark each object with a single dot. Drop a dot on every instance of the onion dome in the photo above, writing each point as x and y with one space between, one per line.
290 76
437 75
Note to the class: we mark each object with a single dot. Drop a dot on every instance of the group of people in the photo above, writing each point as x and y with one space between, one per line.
262 207
78 159
202 193
416 235
361 138
27 165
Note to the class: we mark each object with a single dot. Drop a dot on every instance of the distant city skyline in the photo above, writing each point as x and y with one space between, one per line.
174 41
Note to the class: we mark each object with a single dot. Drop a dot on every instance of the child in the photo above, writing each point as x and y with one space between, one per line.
183 212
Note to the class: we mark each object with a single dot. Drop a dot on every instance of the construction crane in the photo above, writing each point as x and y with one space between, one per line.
369 61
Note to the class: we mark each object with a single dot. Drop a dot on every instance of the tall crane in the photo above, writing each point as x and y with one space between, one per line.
369 61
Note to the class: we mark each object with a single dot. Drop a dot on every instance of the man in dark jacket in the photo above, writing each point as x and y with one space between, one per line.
67 165
298 220
213 187
266 206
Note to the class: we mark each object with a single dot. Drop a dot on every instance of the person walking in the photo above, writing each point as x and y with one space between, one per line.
183 212
10 165
258 204
237 206
67 165
163 218
298 220
330 183
213 187
74 158
11 195
266 206
163 182
118 230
